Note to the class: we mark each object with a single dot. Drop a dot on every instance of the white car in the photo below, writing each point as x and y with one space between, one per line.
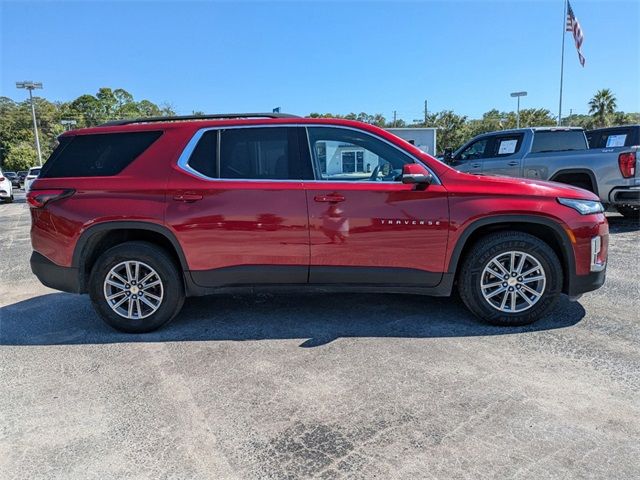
6 189
31 176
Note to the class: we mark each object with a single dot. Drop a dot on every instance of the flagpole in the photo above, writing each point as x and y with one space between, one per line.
564 27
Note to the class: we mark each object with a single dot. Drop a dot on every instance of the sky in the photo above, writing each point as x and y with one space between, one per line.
313 56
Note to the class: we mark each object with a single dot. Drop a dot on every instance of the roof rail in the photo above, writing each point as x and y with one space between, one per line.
176 118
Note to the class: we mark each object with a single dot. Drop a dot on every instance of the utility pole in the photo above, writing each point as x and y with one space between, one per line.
426 113
394 118
29 85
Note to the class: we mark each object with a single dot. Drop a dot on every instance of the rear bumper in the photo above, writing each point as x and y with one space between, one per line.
580 284
625 196
55 276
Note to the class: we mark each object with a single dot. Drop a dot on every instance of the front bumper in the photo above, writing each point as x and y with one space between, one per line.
625 196
580 284
54 276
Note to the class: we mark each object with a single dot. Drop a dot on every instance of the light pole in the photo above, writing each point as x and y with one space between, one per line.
518 94
29 85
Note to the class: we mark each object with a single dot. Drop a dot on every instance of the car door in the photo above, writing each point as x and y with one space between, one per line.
503 156
237 205
366 226
470 158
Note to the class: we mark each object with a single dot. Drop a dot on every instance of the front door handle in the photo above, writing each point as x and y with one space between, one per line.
188 197
513 163
475 165
329 198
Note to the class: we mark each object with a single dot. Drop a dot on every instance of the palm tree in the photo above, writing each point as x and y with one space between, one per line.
602 106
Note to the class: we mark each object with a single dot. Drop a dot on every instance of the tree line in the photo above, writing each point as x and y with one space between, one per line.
454 130
17 151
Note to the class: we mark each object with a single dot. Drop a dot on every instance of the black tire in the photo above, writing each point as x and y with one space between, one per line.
9 199
629 211
481 254
156 258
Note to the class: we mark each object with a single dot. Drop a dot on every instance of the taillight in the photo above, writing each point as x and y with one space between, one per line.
39 198
627 164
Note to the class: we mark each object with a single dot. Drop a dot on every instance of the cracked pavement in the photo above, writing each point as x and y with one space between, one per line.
318 386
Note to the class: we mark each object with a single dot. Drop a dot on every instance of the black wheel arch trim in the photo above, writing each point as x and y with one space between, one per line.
570 171
557 228
85 237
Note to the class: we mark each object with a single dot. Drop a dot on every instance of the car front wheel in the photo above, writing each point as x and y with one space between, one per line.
510 278
135 287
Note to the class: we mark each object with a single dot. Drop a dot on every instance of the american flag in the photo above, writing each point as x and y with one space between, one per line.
574 26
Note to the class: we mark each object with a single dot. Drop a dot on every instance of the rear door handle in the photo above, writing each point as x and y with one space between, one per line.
329 198
187 197
513 163
475 165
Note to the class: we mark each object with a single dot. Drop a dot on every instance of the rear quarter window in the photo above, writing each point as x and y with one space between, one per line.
103 154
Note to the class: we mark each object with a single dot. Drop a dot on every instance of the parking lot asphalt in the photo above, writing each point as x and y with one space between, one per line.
318 386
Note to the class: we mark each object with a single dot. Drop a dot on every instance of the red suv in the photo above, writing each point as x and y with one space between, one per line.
142 213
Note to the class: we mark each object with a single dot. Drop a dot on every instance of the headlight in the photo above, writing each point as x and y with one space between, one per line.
584 207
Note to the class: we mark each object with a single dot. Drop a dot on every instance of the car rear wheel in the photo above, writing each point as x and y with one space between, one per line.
510 278
136 287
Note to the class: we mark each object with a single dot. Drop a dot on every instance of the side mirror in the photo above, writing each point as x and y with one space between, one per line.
448 155
414 173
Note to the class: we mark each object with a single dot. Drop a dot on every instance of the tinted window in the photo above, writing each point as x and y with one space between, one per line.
619 137
96 155
260 153
203 158
348 155
558 141
477 149
34 171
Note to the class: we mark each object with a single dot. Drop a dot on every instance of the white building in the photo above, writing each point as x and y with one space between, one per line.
423 138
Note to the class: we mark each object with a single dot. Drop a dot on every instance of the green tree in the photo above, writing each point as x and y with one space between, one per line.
16 128
21 157
602 107
452 131
536 117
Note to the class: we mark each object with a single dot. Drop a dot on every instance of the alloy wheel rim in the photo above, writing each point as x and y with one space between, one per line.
133 290
513 282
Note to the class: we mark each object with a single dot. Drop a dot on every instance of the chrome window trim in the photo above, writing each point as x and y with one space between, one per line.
183 159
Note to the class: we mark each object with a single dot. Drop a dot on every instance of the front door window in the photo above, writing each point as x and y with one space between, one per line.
341 154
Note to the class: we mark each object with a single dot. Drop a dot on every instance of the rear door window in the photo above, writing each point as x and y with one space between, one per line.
262 153
506 145
615 137
103 154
